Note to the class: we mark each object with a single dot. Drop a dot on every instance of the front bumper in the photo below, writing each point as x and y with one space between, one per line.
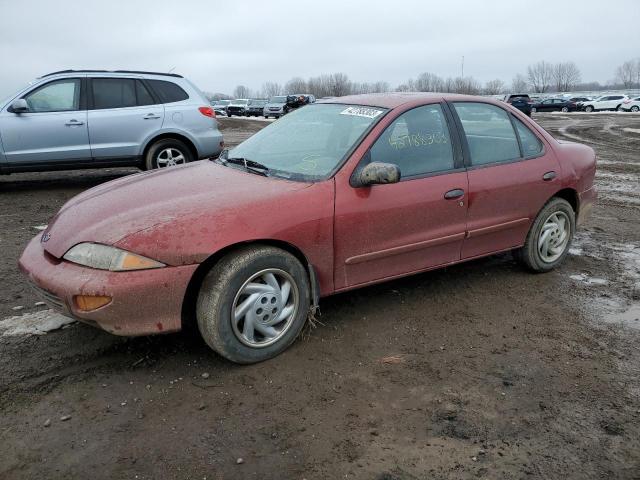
143 302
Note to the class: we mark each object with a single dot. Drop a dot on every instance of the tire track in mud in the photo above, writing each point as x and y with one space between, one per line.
617 150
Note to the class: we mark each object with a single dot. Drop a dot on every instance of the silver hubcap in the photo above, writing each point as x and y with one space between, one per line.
264 308
554 237
170 157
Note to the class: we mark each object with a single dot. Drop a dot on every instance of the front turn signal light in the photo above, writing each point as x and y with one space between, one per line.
87 303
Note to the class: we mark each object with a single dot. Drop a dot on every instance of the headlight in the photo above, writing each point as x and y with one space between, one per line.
104 257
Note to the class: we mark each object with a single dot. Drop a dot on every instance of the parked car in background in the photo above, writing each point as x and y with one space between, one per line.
276 107
631 105
554 105
238 106
256 107
391 185
220 106
520 101
605 102
97 118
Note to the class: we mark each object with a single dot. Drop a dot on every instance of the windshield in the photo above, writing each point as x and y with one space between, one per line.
278 100
258 102
240 101
222 102
309 143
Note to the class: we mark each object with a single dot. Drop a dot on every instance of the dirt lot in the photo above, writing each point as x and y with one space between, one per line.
480 370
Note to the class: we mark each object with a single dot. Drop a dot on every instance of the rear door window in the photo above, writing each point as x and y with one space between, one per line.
113 93
143 95
531 144
168 92
489 133
417 141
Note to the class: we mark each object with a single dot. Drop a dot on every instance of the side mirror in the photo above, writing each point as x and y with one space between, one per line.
19 106
377 173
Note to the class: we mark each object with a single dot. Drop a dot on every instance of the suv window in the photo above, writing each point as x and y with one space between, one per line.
489 133
57 96
168 91
143 95
417 141
531 144
113 93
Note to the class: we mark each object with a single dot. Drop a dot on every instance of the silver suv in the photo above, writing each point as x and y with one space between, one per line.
93 118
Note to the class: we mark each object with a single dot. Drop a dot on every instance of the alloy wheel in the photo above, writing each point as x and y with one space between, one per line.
170 157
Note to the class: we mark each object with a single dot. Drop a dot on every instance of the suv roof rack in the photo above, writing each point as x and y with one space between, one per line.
113 71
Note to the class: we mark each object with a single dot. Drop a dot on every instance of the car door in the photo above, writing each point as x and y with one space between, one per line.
53 130
382 231
123 114
511 176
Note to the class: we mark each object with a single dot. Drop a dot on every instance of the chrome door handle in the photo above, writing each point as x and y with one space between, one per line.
73 123
549 176
455 193
151 116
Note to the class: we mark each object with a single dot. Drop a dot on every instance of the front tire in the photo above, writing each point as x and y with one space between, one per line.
565 109
168 152
588 109
253 303
635 109
549 238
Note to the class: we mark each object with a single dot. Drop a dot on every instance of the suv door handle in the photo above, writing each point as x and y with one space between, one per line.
455 193
547 177
73 123
151 116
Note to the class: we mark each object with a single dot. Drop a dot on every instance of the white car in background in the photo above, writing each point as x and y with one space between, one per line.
631 105
605 102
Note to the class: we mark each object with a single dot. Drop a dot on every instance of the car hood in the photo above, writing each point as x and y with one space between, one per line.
275 104
171 200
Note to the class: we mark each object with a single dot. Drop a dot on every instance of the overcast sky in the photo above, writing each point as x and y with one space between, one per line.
220 44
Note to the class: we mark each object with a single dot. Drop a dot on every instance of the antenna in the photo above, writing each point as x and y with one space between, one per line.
173 68
462 67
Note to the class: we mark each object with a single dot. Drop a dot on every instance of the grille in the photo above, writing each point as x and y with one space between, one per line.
49 298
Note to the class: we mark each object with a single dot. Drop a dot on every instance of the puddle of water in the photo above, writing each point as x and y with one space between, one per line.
35 323
629 317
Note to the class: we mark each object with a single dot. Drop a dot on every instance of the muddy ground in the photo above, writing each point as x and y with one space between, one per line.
477 371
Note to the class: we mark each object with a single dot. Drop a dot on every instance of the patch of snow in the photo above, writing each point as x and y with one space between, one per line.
41 227
584 278
633 130
36 323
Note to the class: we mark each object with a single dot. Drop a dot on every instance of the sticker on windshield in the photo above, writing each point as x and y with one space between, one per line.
361 112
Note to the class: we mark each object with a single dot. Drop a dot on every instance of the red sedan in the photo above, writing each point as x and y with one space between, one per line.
337 195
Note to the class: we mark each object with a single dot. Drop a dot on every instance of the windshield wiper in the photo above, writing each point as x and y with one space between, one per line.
249 165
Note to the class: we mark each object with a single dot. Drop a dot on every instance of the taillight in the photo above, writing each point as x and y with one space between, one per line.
207 112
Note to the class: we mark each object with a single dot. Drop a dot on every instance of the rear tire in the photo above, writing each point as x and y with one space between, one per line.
565 109
588 109
549 238
232 304
167 152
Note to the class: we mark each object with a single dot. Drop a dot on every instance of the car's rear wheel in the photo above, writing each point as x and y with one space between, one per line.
565 109
588 109
618 108
168 152
253 303
549 238
635 108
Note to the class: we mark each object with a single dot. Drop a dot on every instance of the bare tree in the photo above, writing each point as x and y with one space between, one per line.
271 89
566 76
339 84
628 73
540 76
519 84
296 85
241 92
494 87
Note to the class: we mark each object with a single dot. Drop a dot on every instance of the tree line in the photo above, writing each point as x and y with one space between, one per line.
540 77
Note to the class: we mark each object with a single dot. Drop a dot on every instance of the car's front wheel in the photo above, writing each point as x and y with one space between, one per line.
588 109
565 109
253 303
635 109
549 238
168 152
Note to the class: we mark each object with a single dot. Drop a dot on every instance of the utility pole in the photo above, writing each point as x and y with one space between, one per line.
462 75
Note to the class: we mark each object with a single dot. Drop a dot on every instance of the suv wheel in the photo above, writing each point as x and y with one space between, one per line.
635 108
588 108
253 303
549 238
167 152
565 109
